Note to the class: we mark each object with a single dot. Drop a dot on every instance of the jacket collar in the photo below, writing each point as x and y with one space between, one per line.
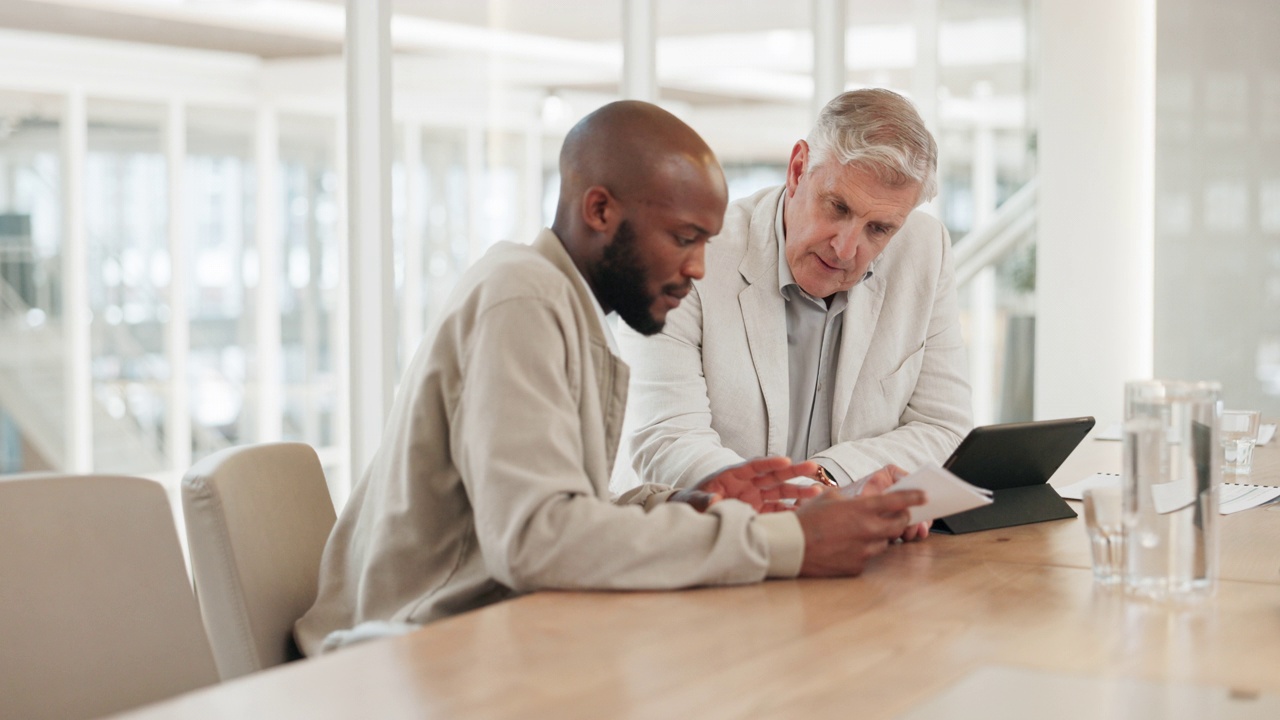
549 245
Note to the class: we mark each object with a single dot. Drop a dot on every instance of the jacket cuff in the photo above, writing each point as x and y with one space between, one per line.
786 543
657 499
647 496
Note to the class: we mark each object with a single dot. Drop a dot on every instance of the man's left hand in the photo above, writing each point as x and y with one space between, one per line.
760 483
880 481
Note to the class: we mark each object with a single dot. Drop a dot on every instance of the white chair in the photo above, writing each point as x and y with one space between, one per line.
258 517
96 611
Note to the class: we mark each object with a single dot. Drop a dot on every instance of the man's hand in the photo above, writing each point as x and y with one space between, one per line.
878 482
760 483
842 533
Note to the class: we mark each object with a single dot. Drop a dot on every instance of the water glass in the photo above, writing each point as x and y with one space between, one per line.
1104 520
1171 473
1239 433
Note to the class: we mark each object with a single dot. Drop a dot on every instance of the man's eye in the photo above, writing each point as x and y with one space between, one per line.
684 241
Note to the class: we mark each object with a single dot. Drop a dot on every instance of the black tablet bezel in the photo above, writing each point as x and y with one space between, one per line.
998 457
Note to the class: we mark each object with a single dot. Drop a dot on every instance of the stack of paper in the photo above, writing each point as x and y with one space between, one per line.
1115 431
1232 497
945 494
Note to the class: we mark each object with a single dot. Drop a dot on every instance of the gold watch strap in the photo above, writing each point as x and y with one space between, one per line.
825 478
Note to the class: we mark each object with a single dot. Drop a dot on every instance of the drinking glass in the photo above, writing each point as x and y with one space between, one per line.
1239 433
1104 520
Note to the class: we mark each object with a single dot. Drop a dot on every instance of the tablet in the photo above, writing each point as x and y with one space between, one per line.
1015 462
1016 454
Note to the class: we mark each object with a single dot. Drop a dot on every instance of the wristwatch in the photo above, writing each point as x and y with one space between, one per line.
825 478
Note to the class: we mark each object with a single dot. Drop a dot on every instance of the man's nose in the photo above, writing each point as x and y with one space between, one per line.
845 243
695 266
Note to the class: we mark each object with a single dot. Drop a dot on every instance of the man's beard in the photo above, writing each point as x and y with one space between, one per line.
621 280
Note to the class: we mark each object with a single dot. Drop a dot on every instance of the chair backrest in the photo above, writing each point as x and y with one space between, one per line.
258 517
96 610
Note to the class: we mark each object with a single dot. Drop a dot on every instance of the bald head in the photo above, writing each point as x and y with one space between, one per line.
640 196
639 153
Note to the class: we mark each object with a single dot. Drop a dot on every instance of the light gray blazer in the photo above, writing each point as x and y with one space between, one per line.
712 388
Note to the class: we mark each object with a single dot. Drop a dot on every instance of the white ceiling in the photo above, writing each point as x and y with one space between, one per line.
300 28
720 58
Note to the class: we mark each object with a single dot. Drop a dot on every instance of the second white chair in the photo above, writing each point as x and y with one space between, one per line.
258 517
96 613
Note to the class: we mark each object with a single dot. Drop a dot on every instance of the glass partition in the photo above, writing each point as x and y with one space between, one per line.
128 272
219 228
310 282
31 378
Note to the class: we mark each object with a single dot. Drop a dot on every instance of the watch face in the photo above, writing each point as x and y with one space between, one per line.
825 476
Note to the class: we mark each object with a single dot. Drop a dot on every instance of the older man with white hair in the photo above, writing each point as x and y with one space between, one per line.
826 327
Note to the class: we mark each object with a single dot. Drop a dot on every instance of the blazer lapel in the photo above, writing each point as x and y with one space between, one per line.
765 320
860 315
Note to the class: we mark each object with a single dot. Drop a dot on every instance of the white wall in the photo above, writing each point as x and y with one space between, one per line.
1217 215
1094 264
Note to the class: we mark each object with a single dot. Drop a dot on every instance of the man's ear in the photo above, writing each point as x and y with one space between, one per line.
600 210
797 165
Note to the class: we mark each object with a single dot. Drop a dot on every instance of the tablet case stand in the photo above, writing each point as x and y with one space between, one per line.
1012 506
1014 461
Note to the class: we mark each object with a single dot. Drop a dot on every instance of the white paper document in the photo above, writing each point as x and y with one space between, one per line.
1115 431
1232 497
945 494
1265 433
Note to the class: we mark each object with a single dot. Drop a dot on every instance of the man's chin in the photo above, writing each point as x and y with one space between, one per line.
646 324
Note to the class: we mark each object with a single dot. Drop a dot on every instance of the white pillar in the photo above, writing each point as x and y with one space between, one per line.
414 201
1095 264
77 350
268 378
639 50
828 51
924 78
924 82
982 298
982 345
371 290
532 182
476 242
983 170
177 431
341 481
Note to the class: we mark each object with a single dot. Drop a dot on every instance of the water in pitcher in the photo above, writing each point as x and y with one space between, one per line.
1172 470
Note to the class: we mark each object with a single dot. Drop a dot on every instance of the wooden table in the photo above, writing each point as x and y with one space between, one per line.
923 617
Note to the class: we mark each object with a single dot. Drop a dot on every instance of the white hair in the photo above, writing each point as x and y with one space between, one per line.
878 130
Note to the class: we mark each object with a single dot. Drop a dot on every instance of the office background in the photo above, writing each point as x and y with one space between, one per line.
174 190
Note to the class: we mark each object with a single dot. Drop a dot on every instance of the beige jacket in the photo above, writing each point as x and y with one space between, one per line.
492 477
712 388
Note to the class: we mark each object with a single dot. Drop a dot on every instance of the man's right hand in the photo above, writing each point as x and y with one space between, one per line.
841 533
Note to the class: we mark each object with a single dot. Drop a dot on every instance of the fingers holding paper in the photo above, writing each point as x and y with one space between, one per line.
879 482
842 533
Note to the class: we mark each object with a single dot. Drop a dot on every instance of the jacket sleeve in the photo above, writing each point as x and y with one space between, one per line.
674 441
939 411
517 439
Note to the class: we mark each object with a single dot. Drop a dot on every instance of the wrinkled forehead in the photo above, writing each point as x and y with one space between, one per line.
872 177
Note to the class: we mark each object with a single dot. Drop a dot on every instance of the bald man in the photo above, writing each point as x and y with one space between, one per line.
493 476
